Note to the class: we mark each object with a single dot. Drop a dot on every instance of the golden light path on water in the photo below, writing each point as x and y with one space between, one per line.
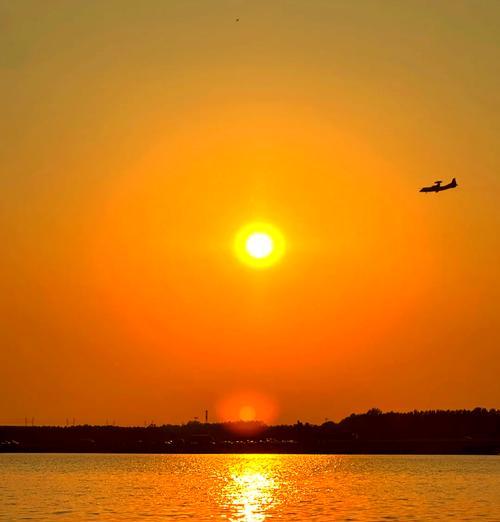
248 488
252 489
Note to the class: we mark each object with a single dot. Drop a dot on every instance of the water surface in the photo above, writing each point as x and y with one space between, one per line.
248 487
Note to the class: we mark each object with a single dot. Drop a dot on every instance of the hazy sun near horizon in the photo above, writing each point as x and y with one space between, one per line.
247 413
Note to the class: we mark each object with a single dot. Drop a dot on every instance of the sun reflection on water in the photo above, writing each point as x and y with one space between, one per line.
249 488
252 488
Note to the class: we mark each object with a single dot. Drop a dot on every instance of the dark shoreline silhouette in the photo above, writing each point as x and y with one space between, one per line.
419 432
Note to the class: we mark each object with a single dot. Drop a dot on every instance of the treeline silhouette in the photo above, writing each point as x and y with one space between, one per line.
435 431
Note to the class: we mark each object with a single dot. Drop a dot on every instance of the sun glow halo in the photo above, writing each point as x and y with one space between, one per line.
259 245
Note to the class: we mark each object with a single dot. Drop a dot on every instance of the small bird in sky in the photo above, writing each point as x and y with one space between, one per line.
237 19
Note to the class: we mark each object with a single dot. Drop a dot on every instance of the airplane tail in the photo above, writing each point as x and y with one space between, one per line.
454 182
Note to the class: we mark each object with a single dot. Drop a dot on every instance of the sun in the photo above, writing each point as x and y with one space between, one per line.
259 245
247 413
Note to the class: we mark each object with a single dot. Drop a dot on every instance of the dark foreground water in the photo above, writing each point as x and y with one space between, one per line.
248 487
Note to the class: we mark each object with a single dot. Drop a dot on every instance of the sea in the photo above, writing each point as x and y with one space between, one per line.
252 488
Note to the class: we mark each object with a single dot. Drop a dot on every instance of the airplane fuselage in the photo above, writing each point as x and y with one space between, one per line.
437 187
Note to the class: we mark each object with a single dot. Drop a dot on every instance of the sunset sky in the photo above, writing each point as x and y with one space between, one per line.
138 138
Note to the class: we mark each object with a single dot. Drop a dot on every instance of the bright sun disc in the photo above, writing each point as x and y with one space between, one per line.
259 245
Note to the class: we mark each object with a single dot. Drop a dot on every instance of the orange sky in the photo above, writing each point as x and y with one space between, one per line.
137 139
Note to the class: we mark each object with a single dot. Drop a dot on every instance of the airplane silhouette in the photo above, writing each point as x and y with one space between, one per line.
437 187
